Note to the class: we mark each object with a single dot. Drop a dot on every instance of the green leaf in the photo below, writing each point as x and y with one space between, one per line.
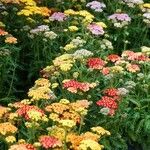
136 102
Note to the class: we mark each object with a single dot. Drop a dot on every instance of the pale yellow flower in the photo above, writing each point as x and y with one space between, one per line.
100 130
67 123
55 85
89 144
10 139
73 28
69 47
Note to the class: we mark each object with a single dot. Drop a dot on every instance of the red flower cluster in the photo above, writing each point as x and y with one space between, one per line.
113 57
23 111
96 63
49 141
73 86
111 92
108 102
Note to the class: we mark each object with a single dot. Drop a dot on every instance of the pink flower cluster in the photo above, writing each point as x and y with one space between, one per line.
130 55
49 141
58 16
95 29
97 6
120 17
73 86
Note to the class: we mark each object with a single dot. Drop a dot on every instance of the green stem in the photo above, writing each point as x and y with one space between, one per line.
65 143
81 123
11 83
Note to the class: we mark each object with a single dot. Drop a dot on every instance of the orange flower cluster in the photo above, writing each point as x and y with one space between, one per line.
8 38
71 111
22 147
7 128
76 139
3 32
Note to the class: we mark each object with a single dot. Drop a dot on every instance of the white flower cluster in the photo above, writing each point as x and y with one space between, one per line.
79 54
132 3
44 31
106 44
146 17
130 84
78 42
39 29
50 34
123 91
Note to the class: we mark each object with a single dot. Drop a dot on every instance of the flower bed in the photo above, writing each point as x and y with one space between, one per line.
92 90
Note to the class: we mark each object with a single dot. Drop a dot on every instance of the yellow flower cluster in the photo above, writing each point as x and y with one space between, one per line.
2 24
42 82
33 10
67 123
73 28
88 17
30 8
28 2
116 69
90 144
64 62
36 116
145 7
41 90
100 131
69 47
3 111
101 24
25 2
10 139
145 50
57 132
85 141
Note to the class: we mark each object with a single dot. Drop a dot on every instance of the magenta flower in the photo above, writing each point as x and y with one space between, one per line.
96 29
58 16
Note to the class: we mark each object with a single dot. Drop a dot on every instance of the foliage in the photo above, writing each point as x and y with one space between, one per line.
92 62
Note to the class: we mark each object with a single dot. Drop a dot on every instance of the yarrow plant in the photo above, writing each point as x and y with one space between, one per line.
58 16
133 3
95 29
90 62
120 19
96 6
